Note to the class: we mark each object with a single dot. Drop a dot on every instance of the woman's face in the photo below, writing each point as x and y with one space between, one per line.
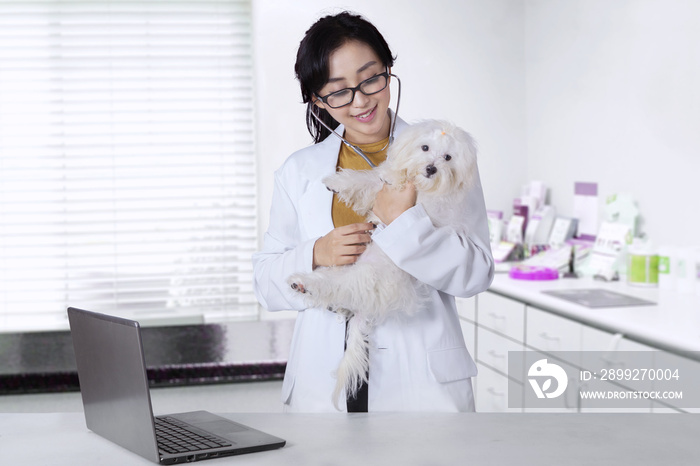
365 119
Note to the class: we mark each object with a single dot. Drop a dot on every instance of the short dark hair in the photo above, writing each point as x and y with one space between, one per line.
323 38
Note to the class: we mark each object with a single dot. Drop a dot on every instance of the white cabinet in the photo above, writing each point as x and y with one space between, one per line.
616 353
500 325
466 308
492 391
502 315
612 351
581 347
547 332
500 329
676 381
493 350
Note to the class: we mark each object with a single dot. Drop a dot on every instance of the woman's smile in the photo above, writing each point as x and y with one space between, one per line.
367 116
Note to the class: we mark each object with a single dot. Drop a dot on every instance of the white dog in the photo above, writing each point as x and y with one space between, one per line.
440 159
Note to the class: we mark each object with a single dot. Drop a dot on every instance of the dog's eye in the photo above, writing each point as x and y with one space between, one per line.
448 157
425 148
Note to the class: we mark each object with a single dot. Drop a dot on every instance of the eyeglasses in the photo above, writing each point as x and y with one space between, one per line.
343 97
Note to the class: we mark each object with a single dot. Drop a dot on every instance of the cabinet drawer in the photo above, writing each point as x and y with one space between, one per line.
604 350
466 308
685 381
492 349
503 315
548 332
593 339
491 394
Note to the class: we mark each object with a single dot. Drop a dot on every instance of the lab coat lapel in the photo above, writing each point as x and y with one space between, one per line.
315 204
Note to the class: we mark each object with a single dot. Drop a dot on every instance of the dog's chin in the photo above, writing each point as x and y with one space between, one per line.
436 184
424 184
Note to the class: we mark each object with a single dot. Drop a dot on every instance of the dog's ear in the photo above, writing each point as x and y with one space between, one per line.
399 154
467 142
466 161
468 145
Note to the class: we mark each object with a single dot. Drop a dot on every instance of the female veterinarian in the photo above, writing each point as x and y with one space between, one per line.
417 363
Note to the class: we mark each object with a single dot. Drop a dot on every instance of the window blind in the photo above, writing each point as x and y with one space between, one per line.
127 166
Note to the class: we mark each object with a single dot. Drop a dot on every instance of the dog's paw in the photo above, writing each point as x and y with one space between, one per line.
298 287
296 282
347 313
333 183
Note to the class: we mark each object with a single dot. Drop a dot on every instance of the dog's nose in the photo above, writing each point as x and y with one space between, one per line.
430 170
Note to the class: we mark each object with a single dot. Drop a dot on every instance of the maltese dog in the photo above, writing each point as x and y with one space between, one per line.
440 160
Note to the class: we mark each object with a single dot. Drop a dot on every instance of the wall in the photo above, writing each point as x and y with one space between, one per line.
613 97
555 90
461 60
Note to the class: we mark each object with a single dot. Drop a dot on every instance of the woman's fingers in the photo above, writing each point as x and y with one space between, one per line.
342 245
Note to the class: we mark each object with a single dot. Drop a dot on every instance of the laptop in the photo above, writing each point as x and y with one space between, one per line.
117 400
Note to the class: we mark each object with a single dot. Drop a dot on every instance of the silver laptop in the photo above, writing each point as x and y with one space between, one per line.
117 401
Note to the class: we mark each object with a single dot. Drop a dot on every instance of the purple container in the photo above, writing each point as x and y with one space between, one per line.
527 272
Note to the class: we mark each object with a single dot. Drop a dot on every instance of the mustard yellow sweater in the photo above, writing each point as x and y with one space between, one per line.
341 213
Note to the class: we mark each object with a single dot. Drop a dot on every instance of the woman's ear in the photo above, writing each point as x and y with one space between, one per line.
319 103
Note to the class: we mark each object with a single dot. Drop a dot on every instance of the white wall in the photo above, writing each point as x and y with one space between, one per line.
461 60
613 96
555 90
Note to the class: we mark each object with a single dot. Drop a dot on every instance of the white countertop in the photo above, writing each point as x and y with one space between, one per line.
391 439
672 324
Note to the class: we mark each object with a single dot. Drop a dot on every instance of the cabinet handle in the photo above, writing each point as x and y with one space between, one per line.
610 361
614 342
494 392
496 316
496 355
608 357
545 336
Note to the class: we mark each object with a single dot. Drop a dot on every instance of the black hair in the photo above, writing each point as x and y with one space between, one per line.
323 38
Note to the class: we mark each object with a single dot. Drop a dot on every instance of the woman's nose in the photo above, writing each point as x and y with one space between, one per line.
360 99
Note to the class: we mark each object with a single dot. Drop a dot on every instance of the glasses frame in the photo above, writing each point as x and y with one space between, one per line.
385 74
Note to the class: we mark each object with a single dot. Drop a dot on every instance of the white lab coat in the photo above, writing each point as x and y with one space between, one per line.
417 363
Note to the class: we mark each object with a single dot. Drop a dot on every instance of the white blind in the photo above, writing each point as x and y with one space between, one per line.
127 167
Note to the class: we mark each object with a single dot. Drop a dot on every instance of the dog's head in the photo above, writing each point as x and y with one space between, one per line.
437 156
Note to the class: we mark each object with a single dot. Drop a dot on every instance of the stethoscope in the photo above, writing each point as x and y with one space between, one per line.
355 148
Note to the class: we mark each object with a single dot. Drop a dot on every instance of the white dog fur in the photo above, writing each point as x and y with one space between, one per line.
440 159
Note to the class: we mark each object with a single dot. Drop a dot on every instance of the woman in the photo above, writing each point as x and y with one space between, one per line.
417 363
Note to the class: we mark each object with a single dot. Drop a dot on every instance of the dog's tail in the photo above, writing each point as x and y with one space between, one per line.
354 367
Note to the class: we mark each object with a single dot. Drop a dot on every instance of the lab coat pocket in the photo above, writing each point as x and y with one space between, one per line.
450 364
315 200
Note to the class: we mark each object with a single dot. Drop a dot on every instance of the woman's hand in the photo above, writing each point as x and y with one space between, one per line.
342 245
391 202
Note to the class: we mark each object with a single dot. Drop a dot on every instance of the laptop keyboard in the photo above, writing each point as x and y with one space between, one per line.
175 437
